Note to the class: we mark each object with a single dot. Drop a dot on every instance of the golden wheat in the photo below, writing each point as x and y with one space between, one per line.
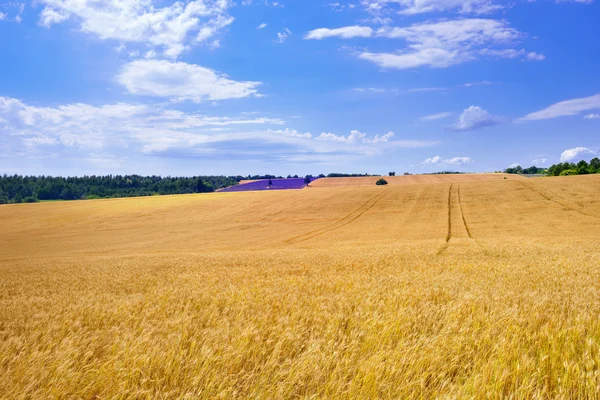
459 288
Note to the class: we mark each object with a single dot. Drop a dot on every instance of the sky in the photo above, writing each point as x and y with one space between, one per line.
239 87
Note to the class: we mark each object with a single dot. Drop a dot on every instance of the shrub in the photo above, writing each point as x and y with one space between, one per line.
30 199
3 200
569 172
381 182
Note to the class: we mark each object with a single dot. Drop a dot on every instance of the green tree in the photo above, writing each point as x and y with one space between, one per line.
381 182
567 172
595 165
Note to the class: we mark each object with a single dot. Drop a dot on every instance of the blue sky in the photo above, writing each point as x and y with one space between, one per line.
296 87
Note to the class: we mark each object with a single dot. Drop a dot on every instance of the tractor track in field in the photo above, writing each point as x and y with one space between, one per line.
348 219
449 234
559 202
462 213
463 218
291 206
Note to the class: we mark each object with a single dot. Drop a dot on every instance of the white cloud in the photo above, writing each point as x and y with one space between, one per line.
282 36
427 89
512 53
2 16
346 32
291 133
121 125
437 160
475 117
576 154
262 26
180 81
433 117
515 165
538 162
171 28
565 108
592 116
411 7
442 44
355 137
110 132
374 90
471 84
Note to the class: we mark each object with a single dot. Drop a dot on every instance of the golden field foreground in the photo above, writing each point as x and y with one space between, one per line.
458 288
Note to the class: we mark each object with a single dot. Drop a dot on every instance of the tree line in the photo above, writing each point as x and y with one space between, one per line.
19 189
581 168
561 169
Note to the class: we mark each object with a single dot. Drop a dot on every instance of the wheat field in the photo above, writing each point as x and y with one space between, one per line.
461 287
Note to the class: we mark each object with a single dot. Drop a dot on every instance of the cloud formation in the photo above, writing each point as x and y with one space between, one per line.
411 7
355 137
437 160
346 32
171 29
180 81
437 116
150 128
473 118
576 154
438 44
565 108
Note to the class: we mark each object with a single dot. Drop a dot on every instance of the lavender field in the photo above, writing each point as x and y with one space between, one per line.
263 184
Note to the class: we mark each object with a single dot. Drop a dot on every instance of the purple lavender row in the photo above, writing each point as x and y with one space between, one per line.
263 184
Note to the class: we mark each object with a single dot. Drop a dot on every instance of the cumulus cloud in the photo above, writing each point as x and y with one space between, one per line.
442 44
475 117
355 137
181 81
576 154
434 117
437 160
171 28
346 32
592 116
565 108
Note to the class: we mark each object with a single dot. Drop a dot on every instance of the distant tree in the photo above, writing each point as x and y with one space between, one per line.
583 167
18 198
3 200
392 173
270 182
321 176
30 199
381 182
567 172
407 173
289 177
296 176
307 179
595 165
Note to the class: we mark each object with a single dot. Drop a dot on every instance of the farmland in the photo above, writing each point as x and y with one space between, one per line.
449 286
